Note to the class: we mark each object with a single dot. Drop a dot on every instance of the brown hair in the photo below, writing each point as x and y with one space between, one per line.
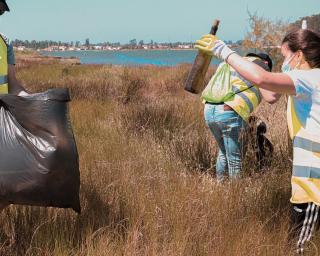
308 42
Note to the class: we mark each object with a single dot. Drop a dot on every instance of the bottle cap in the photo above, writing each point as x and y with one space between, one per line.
304 24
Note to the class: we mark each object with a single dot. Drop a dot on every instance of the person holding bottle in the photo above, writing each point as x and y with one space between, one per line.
300 80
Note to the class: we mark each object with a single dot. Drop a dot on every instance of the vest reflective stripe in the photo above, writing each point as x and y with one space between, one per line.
306 172
252 88
247 96
256 92
306 144
3 80
306 168
246 99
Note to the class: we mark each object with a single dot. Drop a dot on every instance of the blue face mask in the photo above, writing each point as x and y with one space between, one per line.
286 65
285 68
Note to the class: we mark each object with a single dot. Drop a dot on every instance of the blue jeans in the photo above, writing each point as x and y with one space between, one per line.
227 127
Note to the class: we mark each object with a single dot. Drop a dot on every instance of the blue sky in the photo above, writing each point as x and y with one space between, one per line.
160 20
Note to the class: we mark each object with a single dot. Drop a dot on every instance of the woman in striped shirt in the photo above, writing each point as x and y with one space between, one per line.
300 80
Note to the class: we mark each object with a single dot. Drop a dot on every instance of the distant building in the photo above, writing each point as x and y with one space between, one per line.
184 46
97 47
62 48
21 48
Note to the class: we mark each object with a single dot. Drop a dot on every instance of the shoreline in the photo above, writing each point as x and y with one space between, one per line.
34 56
122 50
75 58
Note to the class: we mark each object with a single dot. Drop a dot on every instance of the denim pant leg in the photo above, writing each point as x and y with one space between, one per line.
227 128
234 143
215 129
221 162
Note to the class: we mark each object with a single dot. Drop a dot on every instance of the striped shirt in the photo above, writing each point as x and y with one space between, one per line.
304 127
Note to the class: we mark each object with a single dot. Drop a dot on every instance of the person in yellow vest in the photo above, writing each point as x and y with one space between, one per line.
8 80
227 115
301 81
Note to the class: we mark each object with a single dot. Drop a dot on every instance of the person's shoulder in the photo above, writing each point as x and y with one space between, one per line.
314 71
307 79
305 74
314 77
311 75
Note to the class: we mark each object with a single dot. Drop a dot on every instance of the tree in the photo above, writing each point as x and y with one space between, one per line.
33 44
133 42
87 43
265 35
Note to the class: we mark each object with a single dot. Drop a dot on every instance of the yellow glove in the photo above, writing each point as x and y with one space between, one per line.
211 45
206 44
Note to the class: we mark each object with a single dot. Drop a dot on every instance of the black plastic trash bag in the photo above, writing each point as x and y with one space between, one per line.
39 162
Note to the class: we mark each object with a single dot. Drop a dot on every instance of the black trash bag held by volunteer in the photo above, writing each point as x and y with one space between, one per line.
39 163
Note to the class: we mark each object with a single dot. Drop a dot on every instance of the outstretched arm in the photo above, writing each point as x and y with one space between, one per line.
275 82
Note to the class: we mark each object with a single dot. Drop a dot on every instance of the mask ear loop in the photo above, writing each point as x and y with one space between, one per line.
297 65
289 60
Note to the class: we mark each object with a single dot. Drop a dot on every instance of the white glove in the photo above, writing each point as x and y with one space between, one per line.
221 50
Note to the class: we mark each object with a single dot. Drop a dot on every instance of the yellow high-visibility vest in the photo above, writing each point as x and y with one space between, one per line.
305 179
4 88
247 96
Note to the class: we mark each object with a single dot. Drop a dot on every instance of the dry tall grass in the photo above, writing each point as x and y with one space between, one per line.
147 169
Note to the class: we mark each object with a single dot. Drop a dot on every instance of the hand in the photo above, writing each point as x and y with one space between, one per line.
210 45
206 44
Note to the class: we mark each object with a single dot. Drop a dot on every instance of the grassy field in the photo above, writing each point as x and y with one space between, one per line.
147 173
